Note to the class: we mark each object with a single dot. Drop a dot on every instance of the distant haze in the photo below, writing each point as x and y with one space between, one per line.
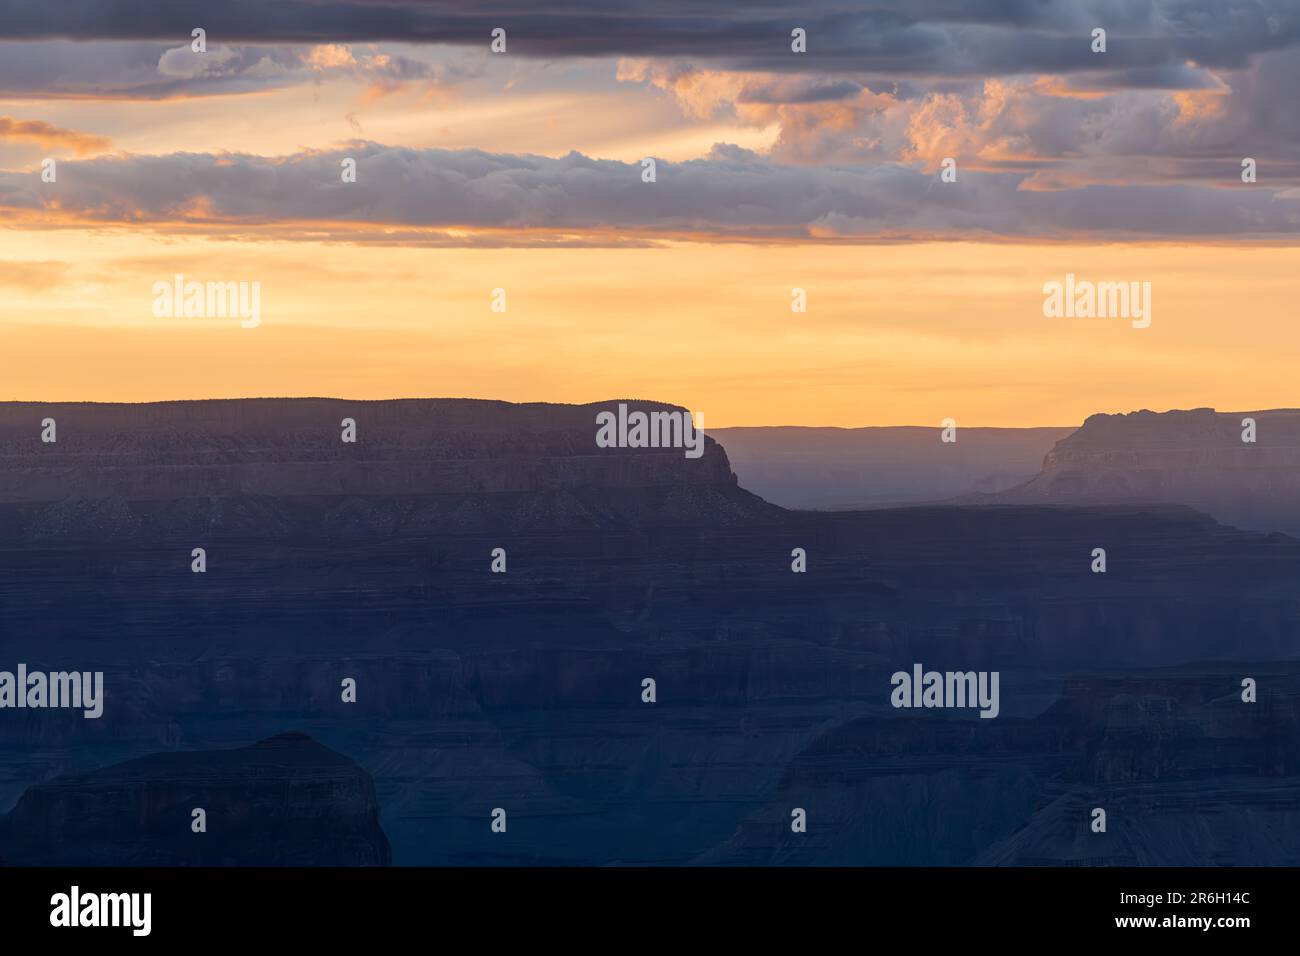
843 468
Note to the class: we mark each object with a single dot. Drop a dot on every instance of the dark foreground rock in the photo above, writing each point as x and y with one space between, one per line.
285 801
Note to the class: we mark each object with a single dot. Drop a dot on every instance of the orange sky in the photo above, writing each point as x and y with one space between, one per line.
894 334
905 333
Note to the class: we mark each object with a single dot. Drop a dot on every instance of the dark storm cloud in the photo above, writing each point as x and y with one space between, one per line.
807 92
731 195
969 37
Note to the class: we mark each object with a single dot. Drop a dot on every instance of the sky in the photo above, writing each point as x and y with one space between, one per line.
501 239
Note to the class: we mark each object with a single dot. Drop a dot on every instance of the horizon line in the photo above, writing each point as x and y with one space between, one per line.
496 401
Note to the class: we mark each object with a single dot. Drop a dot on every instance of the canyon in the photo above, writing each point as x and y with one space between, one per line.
522 690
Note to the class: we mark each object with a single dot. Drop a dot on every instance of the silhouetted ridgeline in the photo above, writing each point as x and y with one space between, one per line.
277 467
522 690
1194 457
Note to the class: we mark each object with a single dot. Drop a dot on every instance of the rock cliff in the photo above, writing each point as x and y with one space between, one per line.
1195 457
279 467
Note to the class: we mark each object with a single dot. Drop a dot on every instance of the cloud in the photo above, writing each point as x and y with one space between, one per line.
1186 89
1068 129
61 69
915 37
183 63
51 138
732 195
